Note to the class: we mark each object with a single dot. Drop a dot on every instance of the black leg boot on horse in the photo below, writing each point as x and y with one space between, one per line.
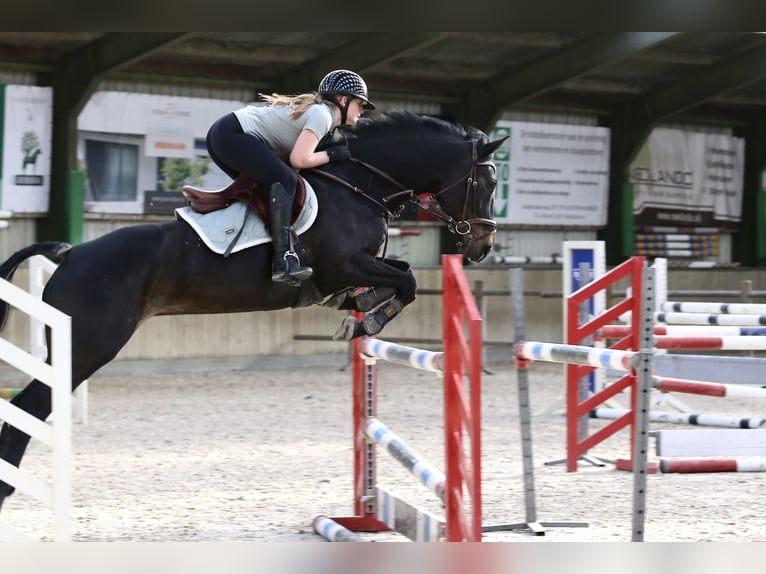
286 266
379 304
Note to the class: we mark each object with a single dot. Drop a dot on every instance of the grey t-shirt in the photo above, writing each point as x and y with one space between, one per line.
272 124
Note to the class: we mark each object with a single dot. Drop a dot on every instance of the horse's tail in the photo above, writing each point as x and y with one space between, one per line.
53 250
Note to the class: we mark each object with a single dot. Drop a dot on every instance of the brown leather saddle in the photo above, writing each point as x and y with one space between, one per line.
253 193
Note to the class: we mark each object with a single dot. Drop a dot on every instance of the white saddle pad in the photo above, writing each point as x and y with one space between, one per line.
219 228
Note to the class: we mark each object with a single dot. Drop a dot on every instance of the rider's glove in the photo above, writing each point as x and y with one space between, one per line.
338 153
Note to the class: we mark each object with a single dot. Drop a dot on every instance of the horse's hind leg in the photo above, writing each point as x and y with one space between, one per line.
93 346
35 399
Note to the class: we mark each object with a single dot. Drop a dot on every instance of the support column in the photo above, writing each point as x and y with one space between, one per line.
74 78
65 219
749 244
629 129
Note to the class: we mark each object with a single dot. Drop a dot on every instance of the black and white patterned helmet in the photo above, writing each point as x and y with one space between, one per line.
348 83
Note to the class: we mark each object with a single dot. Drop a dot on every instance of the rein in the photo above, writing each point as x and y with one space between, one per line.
358 190
430 206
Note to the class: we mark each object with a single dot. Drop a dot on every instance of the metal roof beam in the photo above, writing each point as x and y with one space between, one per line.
78 71
693 89
575 60
485 102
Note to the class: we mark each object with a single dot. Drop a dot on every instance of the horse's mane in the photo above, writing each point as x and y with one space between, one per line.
403 123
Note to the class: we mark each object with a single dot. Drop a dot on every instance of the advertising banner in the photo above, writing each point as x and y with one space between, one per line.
552 174
691 179
27 114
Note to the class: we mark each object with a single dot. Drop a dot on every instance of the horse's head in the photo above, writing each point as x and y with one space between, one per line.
446 166
467 204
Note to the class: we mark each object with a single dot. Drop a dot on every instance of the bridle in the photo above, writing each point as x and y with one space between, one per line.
429 203
464 225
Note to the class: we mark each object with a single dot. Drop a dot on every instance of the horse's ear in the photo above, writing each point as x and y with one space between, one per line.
489 148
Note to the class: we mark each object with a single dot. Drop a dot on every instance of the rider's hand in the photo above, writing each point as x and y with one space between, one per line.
338 153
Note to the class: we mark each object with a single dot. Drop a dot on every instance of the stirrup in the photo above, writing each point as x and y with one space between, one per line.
290 270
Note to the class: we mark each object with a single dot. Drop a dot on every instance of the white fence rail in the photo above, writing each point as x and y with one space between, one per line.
57 431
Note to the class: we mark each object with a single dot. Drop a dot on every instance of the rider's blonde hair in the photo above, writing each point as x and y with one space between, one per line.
300 103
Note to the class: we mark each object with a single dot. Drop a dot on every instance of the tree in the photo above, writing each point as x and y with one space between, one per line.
177 172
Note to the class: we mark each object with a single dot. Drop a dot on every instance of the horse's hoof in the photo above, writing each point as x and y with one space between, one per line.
336 301
346 329
349 329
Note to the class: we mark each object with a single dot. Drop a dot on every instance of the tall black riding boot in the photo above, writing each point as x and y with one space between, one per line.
286 266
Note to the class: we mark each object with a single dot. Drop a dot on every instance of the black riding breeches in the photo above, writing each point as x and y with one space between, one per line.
238 153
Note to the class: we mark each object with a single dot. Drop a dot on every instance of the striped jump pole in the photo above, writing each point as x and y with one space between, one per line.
671 385
709 319
691 251
719 446
617 331
428 475
575 354
334 532
671 238
714 465
400 232
683 418
520 259
720 443
692 340
403 355
711 343
712 308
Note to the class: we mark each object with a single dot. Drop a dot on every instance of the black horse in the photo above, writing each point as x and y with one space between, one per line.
110 285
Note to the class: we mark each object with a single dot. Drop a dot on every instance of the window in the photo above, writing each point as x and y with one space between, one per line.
112 171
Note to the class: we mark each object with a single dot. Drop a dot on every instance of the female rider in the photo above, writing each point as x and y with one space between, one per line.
256 140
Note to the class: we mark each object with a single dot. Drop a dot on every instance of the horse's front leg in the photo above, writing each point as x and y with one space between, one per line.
365 299
392 287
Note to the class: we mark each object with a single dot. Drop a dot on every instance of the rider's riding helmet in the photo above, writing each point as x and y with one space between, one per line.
347 83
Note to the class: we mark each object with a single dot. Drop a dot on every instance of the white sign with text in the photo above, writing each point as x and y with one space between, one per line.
552 174
26 161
